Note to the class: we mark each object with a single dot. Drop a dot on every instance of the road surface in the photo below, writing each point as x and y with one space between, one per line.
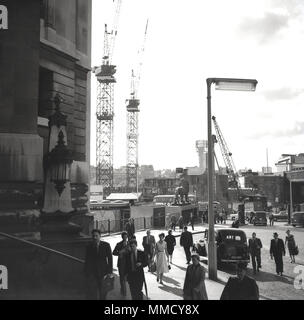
272 286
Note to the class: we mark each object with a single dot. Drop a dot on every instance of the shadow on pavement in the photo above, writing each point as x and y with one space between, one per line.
263 276
182 268
172 281
175 291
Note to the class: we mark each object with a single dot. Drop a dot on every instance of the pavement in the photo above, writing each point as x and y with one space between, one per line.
173 281
270 285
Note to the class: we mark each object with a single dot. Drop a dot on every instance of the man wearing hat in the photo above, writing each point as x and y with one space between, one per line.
194 285
277 250
240 287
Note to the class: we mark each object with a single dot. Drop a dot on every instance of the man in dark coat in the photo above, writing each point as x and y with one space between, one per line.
186 241
130 228
98 265
149 247
255 245
240 287
277 250
136 262
121 250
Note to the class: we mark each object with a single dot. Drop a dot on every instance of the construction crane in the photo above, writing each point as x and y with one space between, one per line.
105 108
233 178
132 123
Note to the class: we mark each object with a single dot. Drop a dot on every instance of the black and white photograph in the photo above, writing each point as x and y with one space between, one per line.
152 150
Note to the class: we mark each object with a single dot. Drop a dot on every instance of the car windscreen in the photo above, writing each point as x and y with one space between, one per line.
298 215
260 214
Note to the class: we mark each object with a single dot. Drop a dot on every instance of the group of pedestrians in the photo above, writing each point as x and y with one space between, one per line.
277 251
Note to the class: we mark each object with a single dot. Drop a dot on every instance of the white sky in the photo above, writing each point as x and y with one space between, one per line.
189 41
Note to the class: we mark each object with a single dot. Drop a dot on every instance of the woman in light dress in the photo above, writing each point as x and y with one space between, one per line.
162 258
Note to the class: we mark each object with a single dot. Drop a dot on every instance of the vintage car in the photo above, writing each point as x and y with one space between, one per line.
280 216
297 219
231 245
259 218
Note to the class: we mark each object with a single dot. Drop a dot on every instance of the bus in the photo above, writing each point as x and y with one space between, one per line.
169 199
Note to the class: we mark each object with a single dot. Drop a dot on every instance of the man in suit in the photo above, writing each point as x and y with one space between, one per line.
149 247
277 250
98 266
121 250
240 287
255 246
186 241
135 264
130 228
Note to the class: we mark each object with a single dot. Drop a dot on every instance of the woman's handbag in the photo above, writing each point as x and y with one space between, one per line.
296 250
153 266
108 283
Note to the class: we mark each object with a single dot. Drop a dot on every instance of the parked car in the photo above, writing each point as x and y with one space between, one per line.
280 216
231 245
260 218
234 216
297 219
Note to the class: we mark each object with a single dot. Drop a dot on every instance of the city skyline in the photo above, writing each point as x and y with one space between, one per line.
188 42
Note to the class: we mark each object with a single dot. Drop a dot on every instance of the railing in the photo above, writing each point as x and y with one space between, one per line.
43 270
38 246
108 226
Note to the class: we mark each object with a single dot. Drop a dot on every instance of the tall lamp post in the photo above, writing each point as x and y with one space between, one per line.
220 84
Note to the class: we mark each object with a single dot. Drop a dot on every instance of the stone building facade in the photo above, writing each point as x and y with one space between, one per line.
45 50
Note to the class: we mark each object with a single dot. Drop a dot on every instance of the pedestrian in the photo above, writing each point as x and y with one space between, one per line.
192 220
271 219
236 224
181 222
194 285
173 222
171 243
162 258
121 250
221 217
149 247
97 267
130 229
133 227
291 245
186 241
135 263
277 251
240 287
255 246
224 217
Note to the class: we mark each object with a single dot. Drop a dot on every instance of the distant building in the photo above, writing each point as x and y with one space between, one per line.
291 166
267 170
158 186
46 50
202 150
271 186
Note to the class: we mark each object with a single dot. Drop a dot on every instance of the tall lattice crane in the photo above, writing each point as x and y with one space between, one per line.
132 123
105 107
233 177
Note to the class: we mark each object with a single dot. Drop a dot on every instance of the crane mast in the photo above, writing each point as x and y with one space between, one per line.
132 124
227 157
105 75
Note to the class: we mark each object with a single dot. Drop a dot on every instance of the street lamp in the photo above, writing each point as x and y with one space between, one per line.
220 84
